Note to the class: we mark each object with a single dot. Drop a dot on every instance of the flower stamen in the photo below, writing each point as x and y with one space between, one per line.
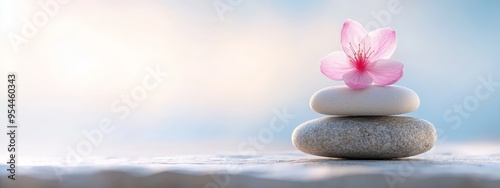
359 58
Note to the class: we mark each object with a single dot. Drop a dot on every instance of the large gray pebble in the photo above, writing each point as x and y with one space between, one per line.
383 137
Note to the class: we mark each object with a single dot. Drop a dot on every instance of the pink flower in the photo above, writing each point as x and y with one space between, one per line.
365 57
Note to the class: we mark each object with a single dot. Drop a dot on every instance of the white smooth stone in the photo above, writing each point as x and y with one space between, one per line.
371 101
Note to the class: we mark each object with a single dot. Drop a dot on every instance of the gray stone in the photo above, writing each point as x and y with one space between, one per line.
382 137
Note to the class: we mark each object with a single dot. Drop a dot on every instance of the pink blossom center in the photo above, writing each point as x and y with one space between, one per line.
360 56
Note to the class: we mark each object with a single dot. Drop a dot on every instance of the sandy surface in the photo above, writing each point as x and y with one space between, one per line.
284 169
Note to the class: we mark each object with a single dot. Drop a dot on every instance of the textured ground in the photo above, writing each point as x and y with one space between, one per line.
285 169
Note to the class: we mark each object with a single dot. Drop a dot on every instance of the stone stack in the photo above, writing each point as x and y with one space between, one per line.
362 124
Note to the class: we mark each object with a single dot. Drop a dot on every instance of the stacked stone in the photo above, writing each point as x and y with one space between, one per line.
362 124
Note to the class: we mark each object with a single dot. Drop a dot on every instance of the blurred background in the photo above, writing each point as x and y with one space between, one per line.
228 75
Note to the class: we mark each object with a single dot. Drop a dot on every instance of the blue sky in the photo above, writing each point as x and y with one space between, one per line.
227 76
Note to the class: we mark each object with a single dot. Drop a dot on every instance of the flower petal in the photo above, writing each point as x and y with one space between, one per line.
335 65
385 71
383 43
352 33
357 79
